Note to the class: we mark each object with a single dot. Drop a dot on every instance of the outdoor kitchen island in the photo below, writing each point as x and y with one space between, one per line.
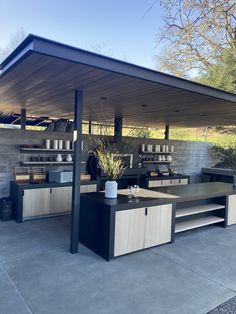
114 227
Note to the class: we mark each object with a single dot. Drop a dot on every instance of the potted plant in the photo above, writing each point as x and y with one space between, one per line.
112 165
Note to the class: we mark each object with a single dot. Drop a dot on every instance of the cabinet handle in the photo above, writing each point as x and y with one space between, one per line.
146 211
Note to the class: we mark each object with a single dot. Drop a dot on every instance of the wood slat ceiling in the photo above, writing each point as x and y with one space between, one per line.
45 86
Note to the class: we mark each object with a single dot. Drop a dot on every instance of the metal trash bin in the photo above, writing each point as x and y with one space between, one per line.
6 208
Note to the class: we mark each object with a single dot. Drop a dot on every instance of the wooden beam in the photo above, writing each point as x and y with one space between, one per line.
77 137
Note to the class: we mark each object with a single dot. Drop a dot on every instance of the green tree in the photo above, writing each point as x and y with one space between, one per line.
222 74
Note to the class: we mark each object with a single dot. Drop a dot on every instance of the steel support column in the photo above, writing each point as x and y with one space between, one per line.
118 123
90 127
77 137
23 119
167 132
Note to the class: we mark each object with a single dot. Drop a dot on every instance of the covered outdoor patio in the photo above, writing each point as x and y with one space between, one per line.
46 78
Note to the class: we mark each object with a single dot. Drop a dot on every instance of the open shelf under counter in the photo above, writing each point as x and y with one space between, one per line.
183 212
197 223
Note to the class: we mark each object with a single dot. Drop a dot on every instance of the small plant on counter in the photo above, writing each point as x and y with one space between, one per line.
110 162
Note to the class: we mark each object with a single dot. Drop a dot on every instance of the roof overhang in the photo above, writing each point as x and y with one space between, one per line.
41 76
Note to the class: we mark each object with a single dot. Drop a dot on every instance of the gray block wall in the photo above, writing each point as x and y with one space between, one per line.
189 157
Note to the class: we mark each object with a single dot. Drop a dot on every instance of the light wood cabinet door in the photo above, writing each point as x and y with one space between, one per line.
36 202
158 225
231 209
60 200
129 231
183 181
87 188
154 183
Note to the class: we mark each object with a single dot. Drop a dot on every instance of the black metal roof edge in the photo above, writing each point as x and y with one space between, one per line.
162 78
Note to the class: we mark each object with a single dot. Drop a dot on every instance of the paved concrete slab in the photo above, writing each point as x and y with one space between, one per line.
210 251
51 280
10 298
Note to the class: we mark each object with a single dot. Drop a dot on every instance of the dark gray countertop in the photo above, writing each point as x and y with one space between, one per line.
122 201
199 190
49 184
181 193
218 171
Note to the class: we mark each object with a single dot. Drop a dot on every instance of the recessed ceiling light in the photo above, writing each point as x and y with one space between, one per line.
176 110
203 115
144 105
103 98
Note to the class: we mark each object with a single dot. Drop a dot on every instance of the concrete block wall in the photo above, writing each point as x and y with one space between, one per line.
189 157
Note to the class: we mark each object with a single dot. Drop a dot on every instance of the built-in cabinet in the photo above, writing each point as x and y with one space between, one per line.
36 202
167 182
141 228
43 199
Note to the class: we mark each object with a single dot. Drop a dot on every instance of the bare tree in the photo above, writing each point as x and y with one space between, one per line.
194 34
14 41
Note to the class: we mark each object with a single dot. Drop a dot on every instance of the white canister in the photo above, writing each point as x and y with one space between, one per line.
111 189
47 144
55 144
159 158
157 148
67 145
149 148
163 148
167 149
143 148
60 144
172 149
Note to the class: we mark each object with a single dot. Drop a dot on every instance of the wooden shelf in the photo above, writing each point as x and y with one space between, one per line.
197 210
197 223
45 151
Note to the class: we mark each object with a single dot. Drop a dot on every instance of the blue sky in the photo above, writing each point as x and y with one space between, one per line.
117 26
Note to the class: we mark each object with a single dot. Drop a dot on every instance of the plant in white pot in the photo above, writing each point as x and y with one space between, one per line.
112 165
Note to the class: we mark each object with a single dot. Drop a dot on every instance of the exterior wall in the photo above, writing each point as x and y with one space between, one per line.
189 157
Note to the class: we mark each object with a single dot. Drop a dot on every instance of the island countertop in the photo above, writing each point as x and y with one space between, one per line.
144 198
199 190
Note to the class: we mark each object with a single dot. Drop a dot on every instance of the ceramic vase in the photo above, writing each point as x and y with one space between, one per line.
111 189
69 158
59 158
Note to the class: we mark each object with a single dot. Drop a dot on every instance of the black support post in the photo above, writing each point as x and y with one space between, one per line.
90 127
167 132
118 122
77 137
23 119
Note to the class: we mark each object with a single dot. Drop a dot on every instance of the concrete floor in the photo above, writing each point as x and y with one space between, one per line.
38 275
